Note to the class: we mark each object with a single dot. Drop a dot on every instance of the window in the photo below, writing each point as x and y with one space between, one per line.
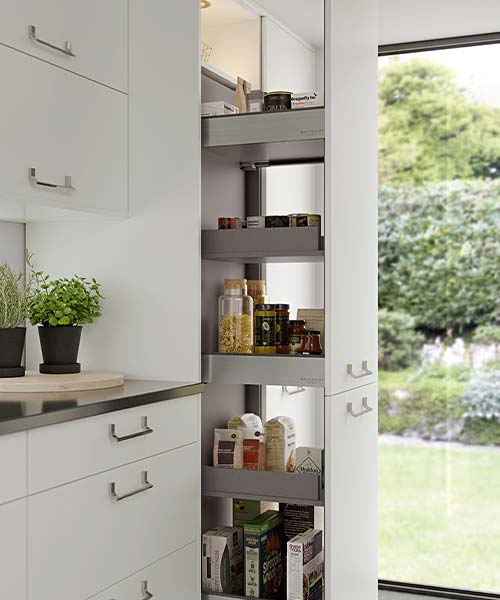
439 331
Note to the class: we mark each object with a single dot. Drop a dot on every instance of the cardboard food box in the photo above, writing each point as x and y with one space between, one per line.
244 511
297 518
310 460
222 560
265 554
307 99
214 109
305 566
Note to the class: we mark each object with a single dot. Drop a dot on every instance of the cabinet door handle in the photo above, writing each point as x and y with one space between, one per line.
146 430
146 485
146 595
365 371
366 409
33 37
67 181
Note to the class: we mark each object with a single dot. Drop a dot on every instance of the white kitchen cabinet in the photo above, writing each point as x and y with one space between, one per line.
13 466
97 34
81 540
63 453
351 201
351 495
13 550
64 140
175 576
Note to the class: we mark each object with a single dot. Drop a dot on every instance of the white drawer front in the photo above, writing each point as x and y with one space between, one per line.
176 577
12 466
70 451
13 550
80 541
61 125
97 31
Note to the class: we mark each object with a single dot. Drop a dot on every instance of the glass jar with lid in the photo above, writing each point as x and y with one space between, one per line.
311 343
235 318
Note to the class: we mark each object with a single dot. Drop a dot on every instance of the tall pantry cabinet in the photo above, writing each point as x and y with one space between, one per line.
236 152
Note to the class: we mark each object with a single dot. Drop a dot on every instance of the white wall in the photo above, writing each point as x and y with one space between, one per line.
407 20
12 245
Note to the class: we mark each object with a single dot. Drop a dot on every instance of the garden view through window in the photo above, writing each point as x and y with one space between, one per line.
439 318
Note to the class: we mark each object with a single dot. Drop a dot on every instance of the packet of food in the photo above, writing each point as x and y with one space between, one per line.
280 444
228 448
254 441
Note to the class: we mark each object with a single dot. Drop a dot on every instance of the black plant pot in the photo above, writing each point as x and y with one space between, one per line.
11 351
60 345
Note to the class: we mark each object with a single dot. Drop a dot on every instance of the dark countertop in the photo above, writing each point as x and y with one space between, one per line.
21 411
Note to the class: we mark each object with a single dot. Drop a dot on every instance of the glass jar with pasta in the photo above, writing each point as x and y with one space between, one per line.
235 318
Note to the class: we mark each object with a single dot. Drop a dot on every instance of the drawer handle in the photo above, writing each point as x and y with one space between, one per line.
365 371
33 37
146 485
144 431
146 595
67 181
366 409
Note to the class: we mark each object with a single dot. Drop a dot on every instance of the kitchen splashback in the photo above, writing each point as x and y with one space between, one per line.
12 244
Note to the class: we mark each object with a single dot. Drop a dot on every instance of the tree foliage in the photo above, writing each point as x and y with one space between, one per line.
430 130
439 253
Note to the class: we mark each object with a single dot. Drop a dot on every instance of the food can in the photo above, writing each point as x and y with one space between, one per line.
231 223
277 221
265 329
256 222
277 101
305 220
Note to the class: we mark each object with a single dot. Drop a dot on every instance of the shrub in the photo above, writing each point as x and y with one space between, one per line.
487 334
398 342
482 396
439 253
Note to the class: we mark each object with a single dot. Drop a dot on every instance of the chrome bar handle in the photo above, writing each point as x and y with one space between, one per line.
366 409
365 371
146 430
33 37
146 485
146 595
67 181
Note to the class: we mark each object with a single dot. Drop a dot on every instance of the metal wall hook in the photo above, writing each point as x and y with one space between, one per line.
33 37
33 179
298 390
366 409
146 595
365 371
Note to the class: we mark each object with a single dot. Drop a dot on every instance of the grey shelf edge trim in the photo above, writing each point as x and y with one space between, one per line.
293 488
254 369
212 596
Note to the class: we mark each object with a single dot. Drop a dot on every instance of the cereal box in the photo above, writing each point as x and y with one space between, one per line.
244 511
222 560
305 566
265 554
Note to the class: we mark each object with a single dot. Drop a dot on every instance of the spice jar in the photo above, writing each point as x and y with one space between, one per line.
282 326
235 318
265 329
257 289
296 332
311 343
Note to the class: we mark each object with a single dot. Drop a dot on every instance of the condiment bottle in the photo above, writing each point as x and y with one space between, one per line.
311 343
282 327
265 329
296 332
235 318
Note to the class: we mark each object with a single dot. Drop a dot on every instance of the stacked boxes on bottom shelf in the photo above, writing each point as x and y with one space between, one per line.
305 566
222 560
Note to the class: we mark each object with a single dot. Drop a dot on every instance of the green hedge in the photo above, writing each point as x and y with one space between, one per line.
398 342
439 253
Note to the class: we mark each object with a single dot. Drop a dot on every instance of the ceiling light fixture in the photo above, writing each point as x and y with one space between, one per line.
205 4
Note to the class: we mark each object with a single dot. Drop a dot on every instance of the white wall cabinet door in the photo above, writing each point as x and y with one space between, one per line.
351 495
61 125
351 194
97 32
81 540
176 576
13 550
13 466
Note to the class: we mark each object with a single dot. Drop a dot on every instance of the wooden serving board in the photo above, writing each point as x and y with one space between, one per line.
35 382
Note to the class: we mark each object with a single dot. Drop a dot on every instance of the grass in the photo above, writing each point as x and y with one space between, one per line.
439 510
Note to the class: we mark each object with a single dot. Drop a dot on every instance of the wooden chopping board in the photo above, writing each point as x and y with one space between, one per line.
34 382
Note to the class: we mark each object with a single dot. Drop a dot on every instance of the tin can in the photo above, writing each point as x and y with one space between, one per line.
277 101
231 223
305 220
277 221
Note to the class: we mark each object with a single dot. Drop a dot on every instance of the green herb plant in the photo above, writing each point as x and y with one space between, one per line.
14 298
64 301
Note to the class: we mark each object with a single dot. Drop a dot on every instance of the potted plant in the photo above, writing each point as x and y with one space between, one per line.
14 300
60 307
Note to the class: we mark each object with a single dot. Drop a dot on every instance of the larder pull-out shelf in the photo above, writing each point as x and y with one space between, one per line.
293 488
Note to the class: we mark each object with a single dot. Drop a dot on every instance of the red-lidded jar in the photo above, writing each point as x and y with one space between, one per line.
311 343
296 332
282 327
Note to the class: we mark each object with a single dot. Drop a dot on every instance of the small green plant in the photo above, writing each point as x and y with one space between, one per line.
487 334
14 298
482 396
64 301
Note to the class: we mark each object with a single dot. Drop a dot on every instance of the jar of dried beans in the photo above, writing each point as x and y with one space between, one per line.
235 318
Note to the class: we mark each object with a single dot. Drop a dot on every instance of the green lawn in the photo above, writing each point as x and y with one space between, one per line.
439 515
